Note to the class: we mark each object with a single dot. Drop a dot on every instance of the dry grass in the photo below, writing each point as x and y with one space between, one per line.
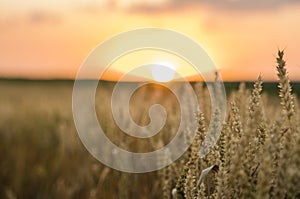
257 154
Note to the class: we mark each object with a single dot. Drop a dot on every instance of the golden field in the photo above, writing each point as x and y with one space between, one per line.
256 156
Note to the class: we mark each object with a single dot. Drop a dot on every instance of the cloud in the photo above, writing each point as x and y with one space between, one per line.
232 5
42 17
33 18
245 4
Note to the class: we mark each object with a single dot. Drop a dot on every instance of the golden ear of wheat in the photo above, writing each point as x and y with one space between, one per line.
285 89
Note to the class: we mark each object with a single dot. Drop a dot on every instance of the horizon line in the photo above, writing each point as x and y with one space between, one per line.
113 81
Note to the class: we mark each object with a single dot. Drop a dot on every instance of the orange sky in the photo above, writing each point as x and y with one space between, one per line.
50 39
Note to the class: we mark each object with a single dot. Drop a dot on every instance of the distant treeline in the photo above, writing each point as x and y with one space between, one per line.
269 87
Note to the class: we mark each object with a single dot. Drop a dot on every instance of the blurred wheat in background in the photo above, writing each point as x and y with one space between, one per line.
257 154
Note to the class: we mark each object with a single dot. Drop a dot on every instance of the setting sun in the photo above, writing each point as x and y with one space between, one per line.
163 72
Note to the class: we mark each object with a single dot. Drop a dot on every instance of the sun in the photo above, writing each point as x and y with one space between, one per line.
163 72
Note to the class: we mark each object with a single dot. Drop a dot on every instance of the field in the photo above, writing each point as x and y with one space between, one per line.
256 156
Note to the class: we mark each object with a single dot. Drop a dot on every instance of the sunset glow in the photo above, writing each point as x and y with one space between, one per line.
163 72
51 39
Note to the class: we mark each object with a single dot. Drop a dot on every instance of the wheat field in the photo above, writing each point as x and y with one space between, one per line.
257 154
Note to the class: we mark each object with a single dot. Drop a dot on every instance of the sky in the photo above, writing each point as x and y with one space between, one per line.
43 39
